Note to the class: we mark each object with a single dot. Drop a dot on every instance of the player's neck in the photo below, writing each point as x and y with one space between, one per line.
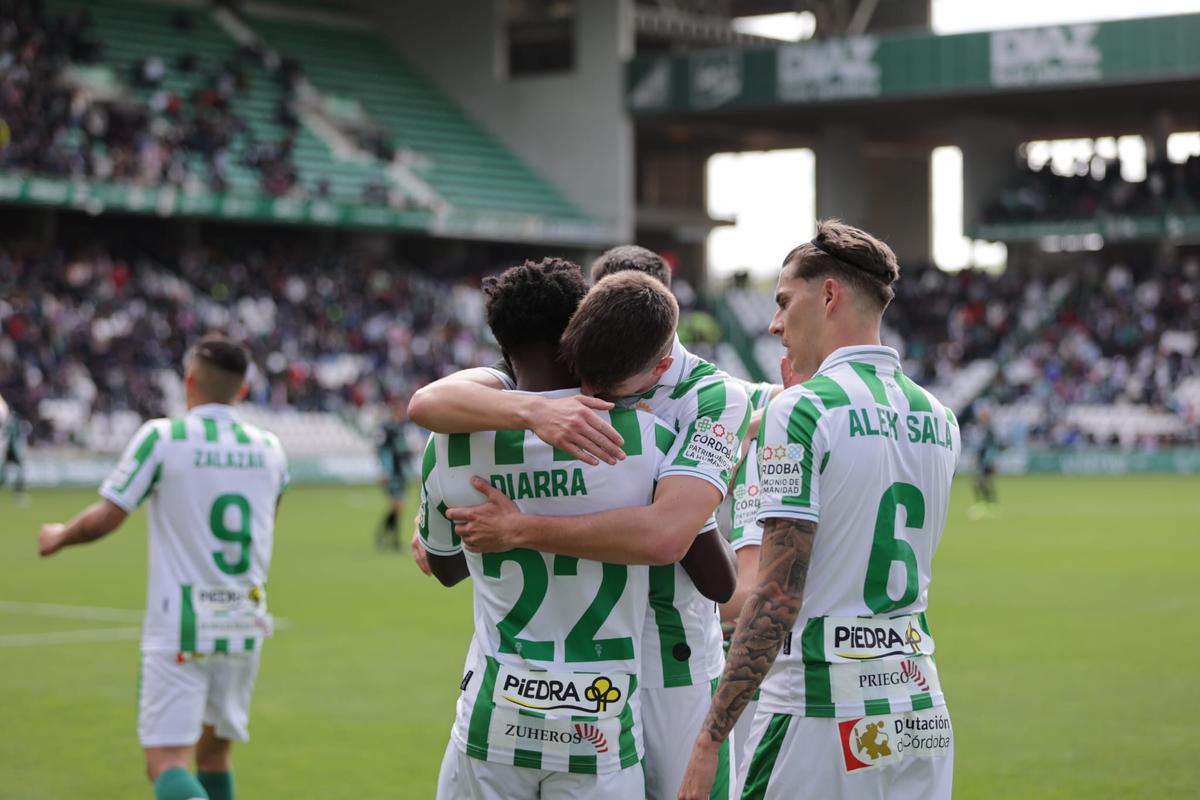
857 334
538 369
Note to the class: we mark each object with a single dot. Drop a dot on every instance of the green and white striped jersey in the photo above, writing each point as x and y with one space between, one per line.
868 455
737 517
709 411
212 483
551 679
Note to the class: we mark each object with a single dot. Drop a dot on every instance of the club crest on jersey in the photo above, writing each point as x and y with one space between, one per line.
712 443
600 695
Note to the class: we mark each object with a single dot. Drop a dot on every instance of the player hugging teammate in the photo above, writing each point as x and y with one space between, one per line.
835 518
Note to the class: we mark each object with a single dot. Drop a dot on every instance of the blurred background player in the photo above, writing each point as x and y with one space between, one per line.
214 484
13 432
986 451
395 458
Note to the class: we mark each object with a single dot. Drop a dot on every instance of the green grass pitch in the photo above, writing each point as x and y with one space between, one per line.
1067 641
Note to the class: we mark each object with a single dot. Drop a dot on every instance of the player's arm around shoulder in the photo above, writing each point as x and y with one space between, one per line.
476 400
130 482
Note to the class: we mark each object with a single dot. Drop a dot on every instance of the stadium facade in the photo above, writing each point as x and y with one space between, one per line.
419 144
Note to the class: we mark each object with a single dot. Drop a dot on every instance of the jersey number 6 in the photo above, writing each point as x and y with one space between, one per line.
887 548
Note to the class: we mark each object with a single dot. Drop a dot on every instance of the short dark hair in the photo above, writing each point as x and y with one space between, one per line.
624 325
220 352
533 302
851 255
634 258
219 364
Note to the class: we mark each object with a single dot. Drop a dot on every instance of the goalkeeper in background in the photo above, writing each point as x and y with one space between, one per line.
395 458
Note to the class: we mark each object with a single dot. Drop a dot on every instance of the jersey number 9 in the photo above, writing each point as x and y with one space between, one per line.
239 534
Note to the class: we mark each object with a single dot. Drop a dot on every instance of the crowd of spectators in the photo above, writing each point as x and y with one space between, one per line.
328 332
944 320
184 133
1098 188
1122 338
1109 338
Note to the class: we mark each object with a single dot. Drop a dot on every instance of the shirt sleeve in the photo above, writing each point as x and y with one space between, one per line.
711 434
138 471
500 371
745 496
791 448
437 532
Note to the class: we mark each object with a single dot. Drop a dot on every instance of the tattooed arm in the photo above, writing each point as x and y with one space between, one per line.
768 616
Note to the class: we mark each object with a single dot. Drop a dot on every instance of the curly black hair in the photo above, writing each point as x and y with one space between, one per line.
533 302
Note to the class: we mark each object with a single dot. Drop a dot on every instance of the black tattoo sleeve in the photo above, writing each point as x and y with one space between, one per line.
768 615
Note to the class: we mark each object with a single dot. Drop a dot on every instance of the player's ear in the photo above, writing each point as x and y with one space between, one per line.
831 294
663 365
241 395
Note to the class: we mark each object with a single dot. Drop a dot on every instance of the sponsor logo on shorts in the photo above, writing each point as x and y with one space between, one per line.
876 741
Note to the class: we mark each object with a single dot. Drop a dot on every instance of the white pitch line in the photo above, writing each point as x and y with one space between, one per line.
71 637
70 612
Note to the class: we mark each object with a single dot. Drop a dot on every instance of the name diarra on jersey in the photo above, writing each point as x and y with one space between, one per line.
541 483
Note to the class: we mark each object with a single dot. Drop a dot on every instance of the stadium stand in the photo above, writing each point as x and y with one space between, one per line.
1097 187
1107 360
197 97
93 340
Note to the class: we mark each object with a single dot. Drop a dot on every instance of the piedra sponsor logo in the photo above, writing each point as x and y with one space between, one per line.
875 741
550 693
867 641
712 443
781 469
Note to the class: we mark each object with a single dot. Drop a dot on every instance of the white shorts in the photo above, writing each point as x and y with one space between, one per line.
671 721
903 756
175 699
465 778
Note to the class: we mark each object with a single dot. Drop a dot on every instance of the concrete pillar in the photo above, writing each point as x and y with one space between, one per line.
898 203
989 149
841 175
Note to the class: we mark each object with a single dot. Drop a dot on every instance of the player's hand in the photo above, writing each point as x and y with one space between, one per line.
491 526
419 555
701 770
788 373
50 538
572 424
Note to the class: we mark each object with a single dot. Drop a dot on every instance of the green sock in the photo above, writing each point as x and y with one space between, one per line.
218 784
178 784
